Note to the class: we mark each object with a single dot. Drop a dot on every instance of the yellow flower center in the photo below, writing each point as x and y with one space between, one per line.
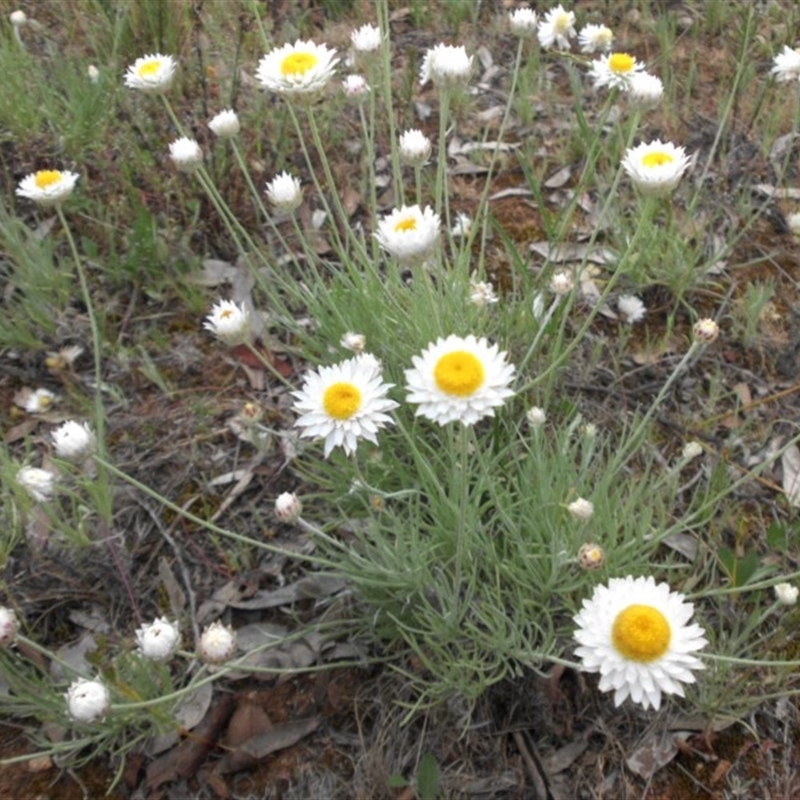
341 400
149 68
459 373
621 63
404 225
641 633
562 22
656 159
47 177
225 314
298 63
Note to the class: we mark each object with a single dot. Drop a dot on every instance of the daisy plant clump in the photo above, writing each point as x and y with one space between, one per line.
344 403
656 168
297 70
636 634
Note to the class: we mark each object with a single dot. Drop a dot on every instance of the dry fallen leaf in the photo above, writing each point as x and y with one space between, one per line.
790 463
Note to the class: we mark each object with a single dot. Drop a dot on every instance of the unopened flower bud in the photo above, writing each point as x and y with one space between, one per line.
591 556
217 643
288 507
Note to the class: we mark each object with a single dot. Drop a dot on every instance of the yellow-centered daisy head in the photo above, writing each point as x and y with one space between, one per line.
149 68
643 649
621 63
46 177
459 373
656 167
47 187
459 379
410 234
405 225
151 74
344 403
341 400
302 68
298 63
641 633
657 158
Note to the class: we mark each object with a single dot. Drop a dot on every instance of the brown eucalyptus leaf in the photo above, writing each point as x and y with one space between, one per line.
176 595
655 751
278 737
315 585
790 463
248 720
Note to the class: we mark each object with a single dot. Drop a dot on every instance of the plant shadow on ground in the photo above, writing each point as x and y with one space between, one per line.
177 421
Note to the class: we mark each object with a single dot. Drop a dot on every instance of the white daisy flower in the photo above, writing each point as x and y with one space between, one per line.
536 416
656 167
595 38
785 594
523 21
297 69
409 233
225 125
152 74
285 192
415 148
288 507
228 322
186 154
353 341
355 87
47 187
217 643
38 483
87 701
705 331
93 73
614 70
631 308
344 403
446 65
462 226
39 401
787 65
691 450
581 509
562 282
645 90
73 440
591 556
459 379
366 39
481 293
640 648
159 640
9 625
557 28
